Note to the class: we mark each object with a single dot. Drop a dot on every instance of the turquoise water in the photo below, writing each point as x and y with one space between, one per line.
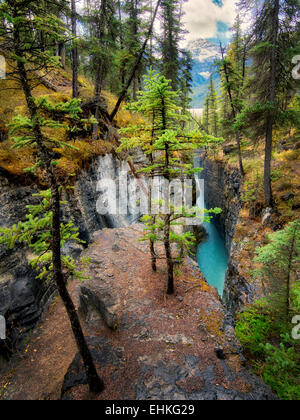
212 257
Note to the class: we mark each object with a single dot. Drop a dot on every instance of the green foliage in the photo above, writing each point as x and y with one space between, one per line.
210 114
253 328
253 188
279 263
30 18
264 329
282 370
36 233
279 365
165 141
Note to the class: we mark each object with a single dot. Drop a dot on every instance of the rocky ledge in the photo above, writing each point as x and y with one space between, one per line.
147 345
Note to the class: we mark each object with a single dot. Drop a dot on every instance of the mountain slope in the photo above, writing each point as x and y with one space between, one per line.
204 53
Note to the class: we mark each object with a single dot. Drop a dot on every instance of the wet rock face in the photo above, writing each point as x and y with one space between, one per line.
222 189
23 299
238 292
92 190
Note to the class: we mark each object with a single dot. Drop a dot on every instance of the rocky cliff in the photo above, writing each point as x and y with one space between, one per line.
150 346
221 189
23 299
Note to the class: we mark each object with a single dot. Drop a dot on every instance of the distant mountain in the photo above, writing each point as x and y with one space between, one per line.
204 54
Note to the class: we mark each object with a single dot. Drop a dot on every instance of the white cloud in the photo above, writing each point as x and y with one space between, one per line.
206 54
202 16
205 74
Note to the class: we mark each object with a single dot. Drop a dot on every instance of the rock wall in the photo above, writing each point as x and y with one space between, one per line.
223 189
23 299
166 348
21 295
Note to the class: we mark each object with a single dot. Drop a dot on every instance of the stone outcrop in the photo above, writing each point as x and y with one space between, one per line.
222 189
23 299
150 346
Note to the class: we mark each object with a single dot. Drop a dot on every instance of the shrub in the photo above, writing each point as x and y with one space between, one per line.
253 328
282 370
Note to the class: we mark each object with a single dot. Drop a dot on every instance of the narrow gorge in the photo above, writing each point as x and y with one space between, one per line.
24 300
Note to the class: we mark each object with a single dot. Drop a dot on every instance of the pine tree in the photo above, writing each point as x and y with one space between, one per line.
185 80
74 50
213 107
279 263
171 31
210 113
35 233
102 26
164 140
137 62
233 75
206 115
19 22
272 45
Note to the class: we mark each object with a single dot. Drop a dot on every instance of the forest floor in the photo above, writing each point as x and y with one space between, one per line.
163 347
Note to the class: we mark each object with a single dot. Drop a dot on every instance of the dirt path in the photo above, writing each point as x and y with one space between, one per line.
40 371
164 347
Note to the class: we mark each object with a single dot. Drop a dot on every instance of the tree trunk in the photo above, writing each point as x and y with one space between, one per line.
207 117
62 54
238 143
136 66
170 264
99 66
153 256
272 98
97 97
167 229
238 134
95 383
74 51
288 281
268 159
152 244
134 89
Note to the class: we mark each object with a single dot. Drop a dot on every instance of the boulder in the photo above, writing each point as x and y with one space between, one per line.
230 148
288 197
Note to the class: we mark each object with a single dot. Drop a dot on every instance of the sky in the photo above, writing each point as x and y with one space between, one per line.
209 19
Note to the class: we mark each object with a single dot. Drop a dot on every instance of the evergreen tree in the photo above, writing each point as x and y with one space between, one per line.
185 80
171 32
19 23
233 74
274 39
74 49
163 138
213 107
102 27
206 115
279 263
137 62
210 113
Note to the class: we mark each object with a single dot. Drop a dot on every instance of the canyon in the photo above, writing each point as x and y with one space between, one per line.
112 239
